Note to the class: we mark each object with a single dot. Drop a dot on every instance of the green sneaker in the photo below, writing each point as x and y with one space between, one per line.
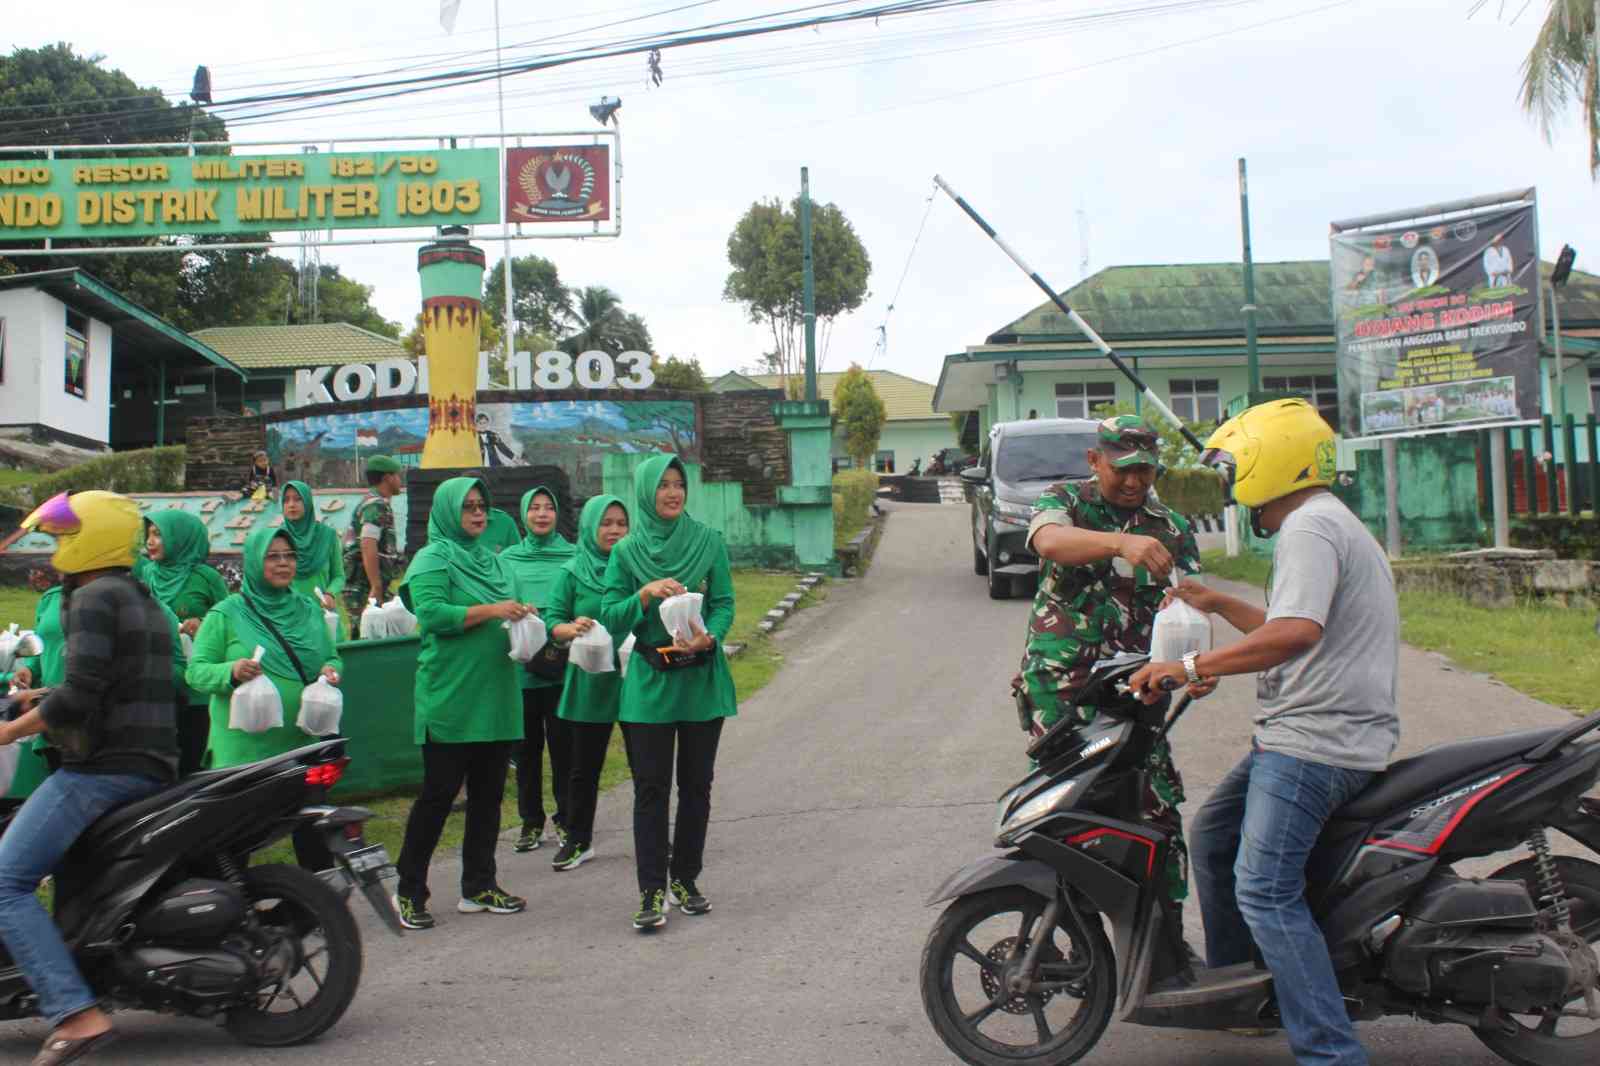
495 901
528 840
652 911
572 855
413 915
558 833
685 896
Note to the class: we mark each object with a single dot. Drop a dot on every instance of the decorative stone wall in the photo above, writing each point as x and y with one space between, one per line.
219 449
744 443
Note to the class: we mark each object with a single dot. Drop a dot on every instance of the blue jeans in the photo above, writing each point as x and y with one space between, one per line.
1249 845
57 813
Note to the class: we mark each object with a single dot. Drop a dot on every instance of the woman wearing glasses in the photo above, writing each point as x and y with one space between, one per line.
265 613
468 700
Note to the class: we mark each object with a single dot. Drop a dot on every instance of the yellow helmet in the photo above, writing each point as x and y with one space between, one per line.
94 530
1271 450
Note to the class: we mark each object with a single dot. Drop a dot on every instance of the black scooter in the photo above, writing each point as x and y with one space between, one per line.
163 911
1019 969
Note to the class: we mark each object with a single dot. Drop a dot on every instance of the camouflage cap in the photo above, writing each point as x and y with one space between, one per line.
1126 441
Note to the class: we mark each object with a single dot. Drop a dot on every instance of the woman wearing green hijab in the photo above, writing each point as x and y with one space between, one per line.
533 564
589 702
319 563
678 689
468 701
267 613
174 569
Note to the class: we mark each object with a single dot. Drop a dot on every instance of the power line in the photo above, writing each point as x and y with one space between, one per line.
883 327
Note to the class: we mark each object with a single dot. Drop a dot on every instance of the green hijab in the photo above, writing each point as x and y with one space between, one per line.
588 566
536 560
185 544
298 620
500 532
473 568
313 542
656 548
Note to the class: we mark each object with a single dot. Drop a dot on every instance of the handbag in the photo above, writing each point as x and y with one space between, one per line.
549 663
665 659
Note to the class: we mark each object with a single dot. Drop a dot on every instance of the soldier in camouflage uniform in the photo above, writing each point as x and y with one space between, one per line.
372 522
1106 547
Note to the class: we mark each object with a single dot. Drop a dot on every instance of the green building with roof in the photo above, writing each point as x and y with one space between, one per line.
272 354
911 431
1181 326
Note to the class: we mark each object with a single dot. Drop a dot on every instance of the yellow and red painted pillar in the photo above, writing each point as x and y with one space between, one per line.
452 284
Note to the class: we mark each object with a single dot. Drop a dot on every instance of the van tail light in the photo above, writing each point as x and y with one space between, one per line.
326 775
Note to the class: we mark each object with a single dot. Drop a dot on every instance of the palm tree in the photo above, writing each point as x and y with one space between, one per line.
602 324
1562 68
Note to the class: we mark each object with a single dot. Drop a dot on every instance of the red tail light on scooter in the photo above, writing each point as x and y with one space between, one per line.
327 774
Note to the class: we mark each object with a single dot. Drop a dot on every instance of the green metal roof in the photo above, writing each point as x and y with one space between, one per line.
288 347
1188 300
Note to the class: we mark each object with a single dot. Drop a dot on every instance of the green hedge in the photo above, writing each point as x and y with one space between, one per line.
1191 491
148 470
853 493
1571 536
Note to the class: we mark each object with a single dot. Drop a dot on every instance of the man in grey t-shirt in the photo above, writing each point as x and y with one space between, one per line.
1327 653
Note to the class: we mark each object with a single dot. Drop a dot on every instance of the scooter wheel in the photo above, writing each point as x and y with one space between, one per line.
972 954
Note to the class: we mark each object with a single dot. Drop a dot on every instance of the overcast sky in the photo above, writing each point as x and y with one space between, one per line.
1029 109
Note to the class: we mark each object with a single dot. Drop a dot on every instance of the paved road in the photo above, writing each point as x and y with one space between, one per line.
848 788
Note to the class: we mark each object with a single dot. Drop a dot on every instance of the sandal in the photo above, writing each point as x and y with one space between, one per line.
59 1050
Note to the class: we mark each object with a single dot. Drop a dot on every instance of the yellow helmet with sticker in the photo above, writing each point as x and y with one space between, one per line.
1271 450
94 530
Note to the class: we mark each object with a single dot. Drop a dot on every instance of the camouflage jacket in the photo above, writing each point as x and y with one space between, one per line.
375 511
1083 613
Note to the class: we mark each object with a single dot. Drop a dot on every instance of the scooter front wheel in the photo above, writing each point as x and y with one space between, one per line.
988 1010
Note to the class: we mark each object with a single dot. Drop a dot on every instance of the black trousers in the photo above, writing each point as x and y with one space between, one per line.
194 732
541 727
650 756
482 766
589 743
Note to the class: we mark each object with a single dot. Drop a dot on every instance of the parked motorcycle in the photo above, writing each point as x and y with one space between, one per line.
1020 970
163 911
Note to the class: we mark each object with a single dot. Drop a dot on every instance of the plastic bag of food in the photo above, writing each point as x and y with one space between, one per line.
321 707
330 619
593 652
374 622
623 654
680 615
28 643
402 623
9 640
527 637
1179 629
10 755
256 706
186 643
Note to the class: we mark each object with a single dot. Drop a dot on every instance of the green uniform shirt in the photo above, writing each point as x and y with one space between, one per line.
467 683
216 649
691 694
202 591
588 697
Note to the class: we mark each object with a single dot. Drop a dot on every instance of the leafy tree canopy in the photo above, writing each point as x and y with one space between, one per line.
684 374
860 412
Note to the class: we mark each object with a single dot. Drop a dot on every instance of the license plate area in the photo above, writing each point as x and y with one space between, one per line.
373 858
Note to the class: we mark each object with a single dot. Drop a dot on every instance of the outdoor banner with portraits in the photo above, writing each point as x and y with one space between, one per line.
1437 323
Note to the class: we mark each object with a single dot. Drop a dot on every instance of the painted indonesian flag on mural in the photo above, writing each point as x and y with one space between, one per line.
447 14
366 438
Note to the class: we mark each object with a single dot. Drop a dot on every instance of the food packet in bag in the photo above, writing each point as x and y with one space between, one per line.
374 622
256 706
402 623
527 637
321 708
624 653
593 652
1179 629
329 619
680 615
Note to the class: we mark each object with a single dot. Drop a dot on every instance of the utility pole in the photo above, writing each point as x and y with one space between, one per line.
809 284
500 97
1252 361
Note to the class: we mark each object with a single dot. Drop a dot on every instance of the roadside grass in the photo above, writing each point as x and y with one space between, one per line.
1545 651
17 605
9 477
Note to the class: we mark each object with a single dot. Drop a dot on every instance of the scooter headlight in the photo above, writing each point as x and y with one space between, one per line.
1040 806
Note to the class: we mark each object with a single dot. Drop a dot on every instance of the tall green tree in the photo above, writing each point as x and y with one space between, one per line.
1562 69
601 324
686 375
342 299
540 303
765 253
860 413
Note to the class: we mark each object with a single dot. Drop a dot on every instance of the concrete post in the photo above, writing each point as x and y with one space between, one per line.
451 271
1391 497
809 494
1497 487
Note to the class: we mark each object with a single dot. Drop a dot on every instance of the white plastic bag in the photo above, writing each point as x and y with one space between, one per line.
374 622
402 623
9 639
527 637
680 615
330 619
256 706
321 707
623 654
186 642
1179 629
10 754
28 643
593 652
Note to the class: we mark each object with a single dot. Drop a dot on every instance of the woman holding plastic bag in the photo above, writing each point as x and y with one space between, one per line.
534 564
468 700
678 689
174 569
589 699
266 613
47 669
318 559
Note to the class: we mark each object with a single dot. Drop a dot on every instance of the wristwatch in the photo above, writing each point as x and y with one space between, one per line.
1189 668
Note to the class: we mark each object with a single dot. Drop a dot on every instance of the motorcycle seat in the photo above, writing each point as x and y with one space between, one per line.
1434 768
114 822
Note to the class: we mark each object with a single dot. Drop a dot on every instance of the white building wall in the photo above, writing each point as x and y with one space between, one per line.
25 312
33 391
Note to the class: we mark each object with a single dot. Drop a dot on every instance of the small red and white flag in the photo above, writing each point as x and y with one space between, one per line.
366 438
